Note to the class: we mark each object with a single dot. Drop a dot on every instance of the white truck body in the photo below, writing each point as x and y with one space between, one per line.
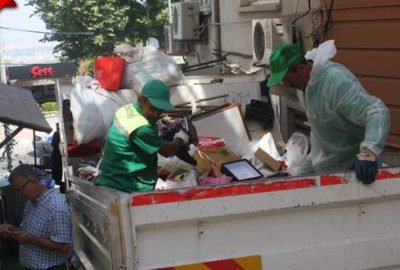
313 222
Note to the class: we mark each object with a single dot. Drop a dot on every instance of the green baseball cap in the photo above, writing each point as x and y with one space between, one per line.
281 59
157 92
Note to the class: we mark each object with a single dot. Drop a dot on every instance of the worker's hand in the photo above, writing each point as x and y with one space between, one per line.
183 136
366 166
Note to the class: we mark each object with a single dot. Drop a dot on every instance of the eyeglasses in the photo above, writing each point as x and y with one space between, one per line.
21 188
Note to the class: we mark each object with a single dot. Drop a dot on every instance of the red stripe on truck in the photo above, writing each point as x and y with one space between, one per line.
219 191
224 264
329 180
385 174
240 263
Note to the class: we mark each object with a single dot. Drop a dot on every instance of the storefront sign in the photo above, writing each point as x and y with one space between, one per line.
36 71
42 71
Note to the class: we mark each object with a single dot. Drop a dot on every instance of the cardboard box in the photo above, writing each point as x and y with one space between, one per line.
269 161
213 156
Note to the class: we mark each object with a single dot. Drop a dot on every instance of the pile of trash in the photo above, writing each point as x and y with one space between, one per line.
221 149
218 164
118 81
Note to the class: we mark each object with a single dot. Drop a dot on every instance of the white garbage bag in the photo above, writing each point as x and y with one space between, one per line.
146 63
296 152
93 108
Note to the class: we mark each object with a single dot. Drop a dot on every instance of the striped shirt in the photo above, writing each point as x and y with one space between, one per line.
48 217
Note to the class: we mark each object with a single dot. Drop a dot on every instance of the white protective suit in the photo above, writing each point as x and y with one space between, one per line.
343 116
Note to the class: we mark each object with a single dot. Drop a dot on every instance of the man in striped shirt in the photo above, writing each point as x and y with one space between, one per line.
45 234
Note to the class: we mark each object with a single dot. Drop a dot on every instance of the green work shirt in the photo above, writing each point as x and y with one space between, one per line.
130 161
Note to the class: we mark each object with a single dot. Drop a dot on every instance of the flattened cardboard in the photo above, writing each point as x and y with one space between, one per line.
210 157
269 161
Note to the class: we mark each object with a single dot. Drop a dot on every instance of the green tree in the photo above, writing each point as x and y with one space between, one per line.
112 22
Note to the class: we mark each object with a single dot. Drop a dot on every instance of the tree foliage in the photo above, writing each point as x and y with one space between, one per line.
112 22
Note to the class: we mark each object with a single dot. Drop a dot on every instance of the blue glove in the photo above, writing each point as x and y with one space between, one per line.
366 168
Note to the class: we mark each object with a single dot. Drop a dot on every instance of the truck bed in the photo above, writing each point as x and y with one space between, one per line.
313 222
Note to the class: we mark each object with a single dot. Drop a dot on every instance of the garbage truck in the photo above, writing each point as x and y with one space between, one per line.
328 221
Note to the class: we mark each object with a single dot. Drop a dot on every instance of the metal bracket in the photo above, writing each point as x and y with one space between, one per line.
10 137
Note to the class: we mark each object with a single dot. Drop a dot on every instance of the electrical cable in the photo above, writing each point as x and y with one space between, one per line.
304 14
227 53
81 33
44 32
328 21
320 20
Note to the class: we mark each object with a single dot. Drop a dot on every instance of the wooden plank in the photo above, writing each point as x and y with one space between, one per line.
371 63
350 4
366 14
383 88
359 35
366 34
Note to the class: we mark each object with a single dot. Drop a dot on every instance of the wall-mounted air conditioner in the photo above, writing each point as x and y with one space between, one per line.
267 34
171 46
205 7
185 21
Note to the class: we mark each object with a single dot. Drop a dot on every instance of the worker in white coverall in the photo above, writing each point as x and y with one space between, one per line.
349 127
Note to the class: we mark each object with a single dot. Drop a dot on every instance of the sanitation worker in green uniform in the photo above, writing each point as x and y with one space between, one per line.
130 154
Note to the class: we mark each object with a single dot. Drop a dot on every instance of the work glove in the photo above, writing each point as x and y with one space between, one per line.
366 167
183 135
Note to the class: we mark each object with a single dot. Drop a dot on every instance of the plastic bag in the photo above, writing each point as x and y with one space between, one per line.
206 143
210 180
93 108
45 178
153 65
129 53
187 180
296 152
109 71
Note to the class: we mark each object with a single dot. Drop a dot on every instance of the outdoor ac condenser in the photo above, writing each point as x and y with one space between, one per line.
171 45
267 34
185 21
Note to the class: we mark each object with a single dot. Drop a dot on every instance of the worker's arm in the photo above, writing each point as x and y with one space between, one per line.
25 238
354 103
172 148
365 111
181 138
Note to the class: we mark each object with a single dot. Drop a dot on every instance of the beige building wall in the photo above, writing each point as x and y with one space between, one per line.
235 27
368 41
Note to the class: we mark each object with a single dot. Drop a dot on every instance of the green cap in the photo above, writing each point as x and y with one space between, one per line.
281 59
157 92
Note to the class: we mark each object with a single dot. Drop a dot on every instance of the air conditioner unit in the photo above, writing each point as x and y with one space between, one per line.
185 24
267 34
171 46
205 7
